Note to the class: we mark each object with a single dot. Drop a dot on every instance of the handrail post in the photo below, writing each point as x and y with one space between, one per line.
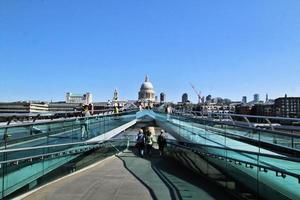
247 120
269 122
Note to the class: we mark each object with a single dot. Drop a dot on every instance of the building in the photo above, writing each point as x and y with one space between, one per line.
24 107
217 100
244 100
256 98
208 98
266 109
85 99
146 94
267 98
185 98
243 109
232 106
287 107
64 107
162 97
215 108
203 100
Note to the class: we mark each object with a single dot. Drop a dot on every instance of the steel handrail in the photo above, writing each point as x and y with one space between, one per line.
85 144
65 120
241 126
248 116
57 145
278 156
259 166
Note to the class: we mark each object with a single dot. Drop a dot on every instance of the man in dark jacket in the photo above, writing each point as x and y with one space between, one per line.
161 141
140 142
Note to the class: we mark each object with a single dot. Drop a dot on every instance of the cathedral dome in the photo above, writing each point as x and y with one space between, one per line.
146 92
147 86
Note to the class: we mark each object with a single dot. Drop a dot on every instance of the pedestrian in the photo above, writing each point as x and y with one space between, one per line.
84 123
169 112
116 110
149 143
161 141
140 142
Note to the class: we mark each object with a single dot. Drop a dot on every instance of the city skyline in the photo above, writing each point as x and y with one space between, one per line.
51 47
191 97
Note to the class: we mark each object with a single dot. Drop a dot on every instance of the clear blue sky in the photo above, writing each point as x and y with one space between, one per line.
225 48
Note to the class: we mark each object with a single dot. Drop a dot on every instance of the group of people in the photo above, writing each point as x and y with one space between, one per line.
145 140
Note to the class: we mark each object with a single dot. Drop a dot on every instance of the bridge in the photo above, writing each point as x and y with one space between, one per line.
206 157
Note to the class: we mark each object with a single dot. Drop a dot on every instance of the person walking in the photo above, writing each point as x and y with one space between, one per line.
116 110
169 112
161 141
149 143
140 142
84 128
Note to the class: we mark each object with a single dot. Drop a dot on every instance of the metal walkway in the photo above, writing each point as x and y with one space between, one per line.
205 159
130 177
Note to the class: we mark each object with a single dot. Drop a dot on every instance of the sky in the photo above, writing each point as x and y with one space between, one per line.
228 49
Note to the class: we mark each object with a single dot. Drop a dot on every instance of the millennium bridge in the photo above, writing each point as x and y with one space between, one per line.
207 156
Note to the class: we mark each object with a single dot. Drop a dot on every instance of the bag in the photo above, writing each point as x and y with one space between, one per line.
149 140
140 138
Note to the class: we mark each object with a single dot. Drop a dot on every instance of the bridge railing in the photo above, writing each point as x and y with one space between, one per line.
284 124
24 166
285 138
10 118
247 158
61 130
268 176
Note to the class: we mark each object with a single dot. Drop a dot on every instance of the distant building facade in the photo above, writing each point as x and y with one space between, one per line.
64 107
185 98
244 100
24 107
287 106
85 99
162 97
243 109
256 97
208 98
280 107
263 110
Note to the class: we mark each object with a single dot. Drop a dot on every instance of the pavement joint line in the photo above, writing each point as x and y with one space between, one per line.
67 176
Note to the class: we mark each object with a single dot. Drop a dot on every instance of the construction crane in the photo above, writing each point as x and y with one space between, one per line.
198 93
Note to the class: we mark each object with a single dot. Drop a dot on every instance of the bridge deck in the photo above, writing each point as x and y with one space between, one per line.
130 177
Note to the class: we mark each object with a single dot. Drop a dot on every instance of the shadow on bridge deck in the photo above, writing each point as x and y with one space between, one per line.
128 176
166 178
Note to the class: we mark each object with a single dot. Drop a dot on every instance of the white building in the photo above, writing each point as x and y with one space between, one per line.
85 99
23 107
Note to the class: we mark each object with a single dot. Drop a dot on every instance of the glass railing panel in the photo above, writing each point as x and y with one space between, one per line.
270 175
18 132
210 128
20 167
296 142
61 131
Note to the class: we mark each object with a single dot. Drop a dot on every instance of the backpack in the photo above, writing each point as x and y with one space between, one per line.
140 138
149 140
